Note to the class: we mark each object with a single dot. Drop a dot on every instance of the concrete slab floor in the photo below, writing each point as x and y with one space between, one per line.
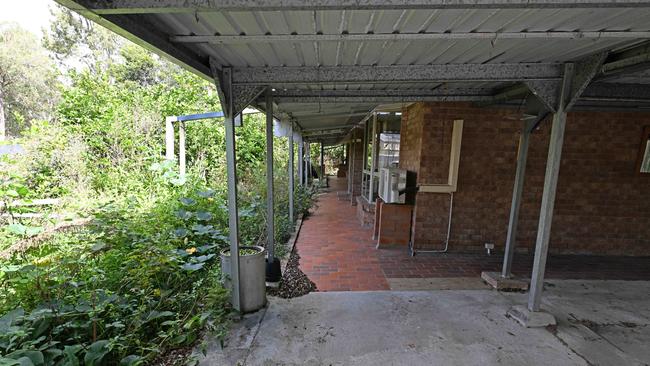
599 323
606 322
497 281
443 283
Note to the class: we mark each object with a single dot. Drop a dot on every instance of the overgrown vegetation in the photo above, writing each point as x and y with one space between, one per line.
141 275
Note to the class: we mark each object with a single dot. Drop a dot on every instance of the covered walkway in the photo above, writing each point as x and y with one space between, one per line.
320 68
339 255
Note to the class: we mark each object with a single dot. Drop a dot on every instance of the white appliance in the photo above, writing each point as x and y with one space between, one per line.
391 182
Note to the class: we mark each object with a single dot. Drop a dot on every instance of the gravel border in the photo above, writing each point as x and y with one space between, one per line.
294 282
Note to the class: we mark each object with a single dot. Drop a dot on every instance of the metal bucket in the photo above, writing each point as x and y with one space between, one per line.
252 277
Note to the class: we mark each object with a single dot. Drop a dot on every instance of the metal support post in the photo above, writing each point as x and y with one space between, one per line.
291 174
548 195
307 162
353 156
322 163
520 174
303 160
270 229
301 165
364 160
169 138
233 218
373 159
349 163
181 148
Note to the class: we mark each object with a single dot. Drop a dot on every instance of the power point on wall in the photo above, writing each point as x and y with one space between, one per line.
489 247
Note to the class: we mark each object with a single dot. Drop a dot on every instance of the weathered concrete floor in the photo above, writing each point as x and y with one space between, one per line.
600 323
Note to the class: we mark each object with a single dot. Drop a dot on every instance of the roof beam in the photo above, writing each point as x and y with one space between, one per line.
383 37
597 67
511 92
380 96
192 6
562 96
317 116
395 74
239 96
339 127
597 91
546 91
324 132
585 72
628 61
617 92
396 93
382 100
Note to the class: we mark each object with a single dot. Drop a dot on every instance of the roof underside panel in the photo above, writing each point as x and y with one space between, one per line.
403 52
413 21
311 116
259 34
419 52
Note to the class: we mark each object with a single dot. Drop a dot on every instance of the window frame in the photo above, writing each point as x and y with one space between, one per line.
645 140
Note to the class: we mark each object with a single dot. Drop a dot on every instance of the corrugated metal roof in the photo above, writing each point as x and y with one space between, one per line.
421 36
333 53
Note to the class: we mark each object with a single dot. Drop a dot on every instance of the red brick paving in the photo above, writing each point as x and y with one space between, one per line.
339 255
397 264
335 251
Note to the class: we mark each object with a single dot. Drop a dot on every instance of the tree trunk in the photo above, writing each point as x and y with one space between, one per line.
3 120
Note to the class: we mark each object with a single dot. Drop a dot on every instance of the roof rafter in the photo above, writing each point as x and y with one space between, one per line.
380 96
595 91
326 131
617 92
492 36
191 6
395 74
310 116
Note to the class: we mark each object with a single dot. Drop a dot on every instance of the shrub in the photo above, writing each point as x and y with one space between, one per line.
132 283
142 277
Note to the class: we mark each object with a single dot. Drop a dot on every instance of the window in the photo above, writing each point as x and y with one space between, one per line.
643 160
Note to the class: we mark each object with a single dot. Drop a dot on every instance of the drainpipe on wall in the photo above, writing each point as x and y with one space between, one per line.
451 211
450 187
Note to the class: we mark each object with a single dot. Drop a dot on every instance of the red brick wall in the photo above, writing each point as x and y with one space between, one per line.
411 137
394 223
602 205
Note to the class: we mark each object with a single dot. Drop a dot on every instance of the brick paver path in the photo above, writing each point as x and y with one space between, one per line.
335 251
397 264
339 255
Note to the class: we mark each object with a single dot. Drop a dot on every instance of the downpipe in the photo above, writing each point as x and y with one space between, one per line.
451 211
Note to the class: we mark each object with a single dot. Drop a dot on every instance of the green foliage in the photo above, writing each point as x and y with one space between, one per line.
143 276
137 280
53 164
333 157
12 191
121 124
252 196
139 66
27 80
71 37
